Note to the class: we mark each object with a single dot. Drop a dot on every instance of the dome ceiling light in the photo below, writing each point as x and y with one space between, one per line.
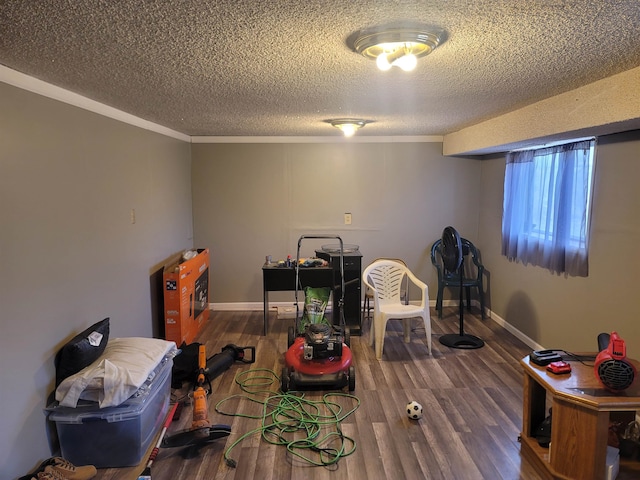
348 126
396 47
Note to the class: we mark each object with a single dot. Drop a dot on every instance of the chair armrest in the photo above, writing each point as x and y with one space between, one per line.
479 267
424 289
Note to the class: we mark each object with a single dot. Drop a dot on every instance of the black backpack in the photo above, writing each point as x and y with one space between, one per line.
543 432
185 365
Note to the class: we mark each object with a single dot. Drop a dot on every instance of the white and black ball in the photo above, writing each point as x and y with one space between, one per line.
414 410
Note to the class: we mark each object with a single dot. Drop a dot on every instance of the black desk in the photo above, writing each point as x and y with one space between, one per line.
275 278
283 279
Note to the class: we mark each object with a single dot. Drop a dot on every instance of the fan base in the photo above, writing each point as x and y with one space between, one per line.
468 342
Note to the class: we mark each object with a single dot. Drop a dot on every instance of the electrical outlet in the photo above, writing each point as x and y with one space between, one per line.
347 219
133 215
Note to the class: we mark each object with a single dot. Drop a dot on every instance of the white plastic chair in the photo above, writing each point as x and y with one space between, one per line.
385 279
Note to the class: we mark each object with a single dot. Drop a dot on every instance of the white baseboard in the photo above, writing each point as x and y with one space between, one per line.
514 331
500 321
252 306
273 307
239 307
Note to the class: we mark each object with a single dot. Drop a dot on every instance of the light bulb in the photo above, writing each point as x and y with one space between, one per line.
407 62
382 62
348 128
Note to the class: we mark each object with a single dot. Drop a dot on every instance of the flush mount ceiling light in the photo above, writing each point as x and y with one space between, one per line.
348 125
396 46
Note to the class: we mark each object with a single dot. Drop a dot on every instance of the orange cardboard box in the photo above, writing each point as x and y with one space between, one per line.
186 297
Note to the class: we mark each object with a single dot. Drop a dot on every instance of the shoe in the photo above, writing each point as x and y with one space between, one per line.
68 471
44 472
50 474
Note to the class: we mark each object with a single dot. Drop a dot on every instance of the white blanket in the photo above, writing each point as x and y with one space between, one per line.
123 367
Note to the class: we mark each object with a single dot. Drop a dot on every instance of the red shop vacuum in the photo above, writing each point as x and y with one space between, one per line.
319 356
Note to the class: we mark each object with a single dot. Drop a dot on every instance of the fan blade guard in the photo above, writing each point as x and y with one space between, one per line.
451 249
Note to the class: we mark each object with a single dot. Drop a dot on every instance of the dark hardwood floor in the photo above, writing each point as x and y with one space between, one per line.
472 402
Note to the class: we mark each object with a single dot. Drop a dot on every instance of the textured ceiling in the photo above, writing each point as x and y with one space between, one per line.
281 68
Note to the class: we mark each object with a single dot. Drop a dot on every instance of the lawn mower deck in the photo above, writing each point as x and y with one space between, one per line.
332 372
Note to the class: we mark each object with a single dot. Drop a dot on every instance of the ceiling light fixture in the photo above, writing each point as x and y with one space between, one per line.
396 47
348 125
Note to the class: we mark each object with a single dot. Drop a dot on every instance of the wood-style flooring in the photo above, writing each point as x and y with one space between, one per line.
472 402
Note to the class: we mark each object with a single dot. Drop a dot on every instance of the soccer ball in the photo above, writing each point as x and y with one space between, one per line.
414 410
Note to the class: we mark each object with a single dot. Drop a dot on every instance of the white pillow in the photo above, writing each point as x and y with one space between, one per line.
123 367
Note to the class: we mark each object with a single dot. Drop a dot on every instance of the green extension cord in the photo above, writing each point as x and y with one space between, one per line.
284 415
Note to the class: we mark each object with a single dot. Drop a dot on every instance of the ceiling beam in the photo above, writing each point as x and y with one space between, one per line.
610 105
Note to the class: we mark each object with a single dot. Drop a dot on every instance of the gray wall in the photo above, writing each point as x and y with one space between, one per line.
252 200
560 312
70 255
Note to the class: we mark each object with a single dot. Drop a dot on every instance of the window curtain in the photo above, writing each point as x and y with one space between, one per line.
547 207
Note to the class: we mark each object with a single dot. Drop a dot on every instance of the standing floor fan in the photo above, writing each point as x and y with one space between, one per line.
452 258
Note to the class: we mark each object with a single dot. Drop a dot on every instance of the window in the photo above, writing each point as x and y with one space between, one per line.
547 203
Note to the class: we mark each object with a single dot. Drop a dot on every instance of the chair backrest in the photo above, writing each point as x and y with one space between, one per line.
386 276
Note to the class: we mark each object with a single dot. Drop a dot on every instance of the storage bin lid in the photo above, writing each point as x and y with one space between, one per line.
90 411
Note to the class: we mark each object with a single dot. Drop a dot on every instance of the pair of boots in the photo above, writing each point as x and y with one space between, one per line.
57 468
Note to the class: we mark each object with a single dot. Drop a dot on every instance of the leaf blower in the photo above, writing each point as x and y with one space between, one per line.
202 431
612 368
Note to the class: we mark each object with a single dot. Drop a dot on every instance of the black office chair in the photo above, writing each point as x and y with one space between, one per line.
472 273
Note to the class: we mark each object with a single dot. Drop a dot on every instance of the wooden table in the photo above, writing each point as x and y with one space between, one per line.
581 410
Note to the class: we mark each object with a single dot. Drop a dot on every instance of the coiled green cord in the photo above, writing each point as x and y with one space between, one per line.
284 415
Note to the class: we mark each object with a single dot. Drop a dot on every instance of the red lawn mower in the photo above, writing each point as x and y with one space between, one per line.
319 356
